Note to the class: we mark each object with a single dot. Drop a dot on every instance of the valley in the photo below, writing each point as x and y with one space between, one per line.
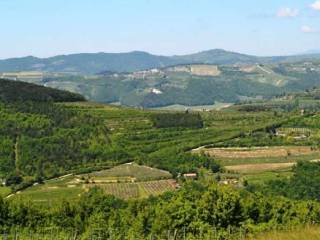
96 163
160 120
189 81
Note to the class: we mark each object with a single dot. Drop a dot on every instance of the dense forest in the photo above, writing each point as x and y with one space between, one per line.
11 91
42 139
304 184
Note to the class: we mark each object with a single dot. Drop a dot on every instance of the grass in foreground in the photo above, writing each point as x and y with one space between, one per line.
308 233
4 191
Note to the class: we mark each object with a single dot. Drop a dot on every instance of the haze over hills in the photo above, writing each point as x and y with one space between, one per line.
141 79
92 63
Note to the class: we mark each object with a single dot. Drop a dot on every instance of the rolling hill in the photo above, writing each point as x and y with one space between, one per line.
92 63
193 84
40 138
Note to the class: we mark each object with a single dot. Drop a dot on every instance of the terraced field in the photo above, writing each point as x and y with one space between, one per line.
260 159
254 168
257 152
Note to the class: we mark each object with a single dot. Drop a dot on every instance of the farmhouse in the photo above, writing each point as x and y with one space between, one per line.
190 175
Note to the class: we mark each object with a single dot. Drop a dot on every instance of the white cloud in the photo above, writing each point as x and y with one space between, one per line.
316 5
308 29
287 12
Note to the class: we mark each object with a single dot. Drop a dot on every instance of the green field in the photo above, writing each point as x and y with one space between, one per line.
123 181
131 170
4 191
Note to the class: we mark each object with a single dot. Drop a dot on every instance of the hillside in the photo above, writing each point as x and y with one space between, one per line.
40 138
87 144
87 63
11 91
193 84
92 63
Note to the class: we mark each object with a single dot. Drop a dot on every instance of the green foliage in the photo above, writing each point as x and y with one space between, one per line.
46 140
197 211
19 91
182 120
304 184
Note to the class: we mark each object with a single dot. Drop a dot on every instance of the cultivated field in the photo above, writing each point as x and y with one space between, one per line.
257 152
138 190
253 168
124 181
248 160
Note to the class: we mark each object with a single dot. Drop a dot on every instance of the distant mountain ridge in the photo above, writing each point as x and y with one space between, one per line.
313 51
92 63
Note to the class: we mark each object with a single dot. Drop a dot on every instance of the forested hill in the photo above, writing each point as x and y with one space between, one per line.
92 63
11 91
41 139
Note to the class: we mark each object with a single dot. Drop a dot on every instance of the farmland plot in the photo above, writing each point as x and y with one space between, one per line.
121 190
254 168
258 152
137 190
158 187
247 160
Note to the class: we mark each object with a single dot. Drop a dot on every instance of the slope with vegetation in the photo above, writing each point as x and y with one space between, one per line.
43 139
187 85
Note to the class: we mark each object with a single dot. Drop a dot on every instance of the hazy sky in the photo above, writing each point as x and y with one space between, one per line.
263 27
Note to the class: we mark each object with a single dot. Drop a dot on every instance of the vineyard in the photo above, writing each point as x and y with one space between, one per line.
293 132
137 190
157 187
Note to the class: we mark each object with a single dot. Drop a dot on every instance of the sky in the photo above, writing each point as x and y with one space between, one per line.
45 28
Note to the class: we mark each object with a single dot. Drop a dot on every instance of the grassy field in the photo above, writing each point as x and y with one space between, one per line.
4 191
52 191
260 177
131 170
308 233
